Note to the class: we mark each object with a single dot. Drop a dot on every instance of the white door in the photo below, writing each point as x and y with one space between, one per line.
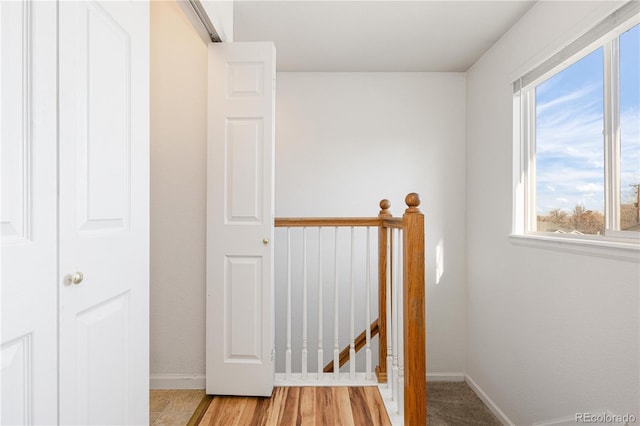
29 223
103 212
240 158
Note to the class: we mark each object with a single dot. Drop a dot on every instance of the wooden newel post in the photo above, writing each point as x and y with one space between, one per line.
415 379
381 369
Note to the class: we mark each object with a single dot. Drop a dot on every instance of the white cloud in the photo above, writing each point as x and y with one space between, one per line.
590 187
572 96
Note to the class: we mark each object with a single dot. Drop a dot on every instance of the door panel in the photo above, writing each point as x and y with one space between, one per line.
104 207
16 132
243 309
102 362
245 156
240 333
17 391
104 152
29 248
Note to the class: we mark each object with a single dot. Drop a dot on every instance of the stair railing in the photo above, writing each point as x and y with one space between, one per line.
401 306
325 229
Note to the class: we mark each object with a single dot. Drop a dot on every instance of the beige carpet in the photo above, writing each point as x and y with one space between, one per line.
455 404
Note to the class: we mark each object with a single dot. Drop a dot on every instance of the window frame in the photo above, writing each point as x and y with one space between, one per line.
614 243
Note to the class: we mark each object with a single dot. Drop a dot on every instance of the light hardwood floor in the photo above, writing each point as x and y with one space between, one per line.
287 406
301 405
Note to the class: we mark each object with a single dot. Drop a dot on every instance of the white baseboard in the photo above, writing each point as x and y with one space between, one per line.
502 417
445 377
196 381
176 381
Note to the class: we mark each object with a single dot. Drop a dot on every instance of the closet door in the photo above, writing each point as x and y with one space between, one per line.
28 176
240 159
104 210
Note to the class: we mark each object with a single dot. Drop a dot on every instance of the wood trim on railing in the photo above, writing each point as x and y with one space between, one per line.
392 222
381 369
415 365
360 342
293 222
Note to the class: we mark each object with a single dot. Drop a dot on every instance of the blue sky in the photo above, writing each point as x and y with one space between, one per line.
630 112
569 125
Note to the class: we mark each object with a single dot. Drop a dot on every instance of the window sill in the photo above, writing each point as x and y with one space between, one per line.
608 248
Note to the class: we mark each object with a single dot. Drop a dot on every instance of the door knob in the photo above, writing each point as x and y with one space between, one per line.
265 241
76 278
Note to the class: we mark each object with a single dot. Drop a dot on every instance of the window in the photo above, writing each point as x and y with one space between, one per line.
579 137
630 130
569 159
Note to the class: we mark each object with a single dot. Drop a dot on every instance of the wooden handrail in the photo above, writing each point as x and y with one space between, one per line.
392 222
360 342
293 222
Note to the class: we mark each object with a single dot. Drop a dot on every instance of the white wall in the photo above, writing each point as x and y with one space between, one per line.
549 334
178 193
344 141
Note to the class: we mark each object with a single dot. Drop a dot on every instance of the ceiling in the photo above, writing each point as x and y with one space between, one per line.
376 35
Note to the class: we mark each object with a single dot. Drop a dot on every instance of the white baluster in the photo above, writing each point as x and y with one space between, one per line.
336 313
320 297
288 351
388 313
352 343
400 321
304 303
394 310
368 284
